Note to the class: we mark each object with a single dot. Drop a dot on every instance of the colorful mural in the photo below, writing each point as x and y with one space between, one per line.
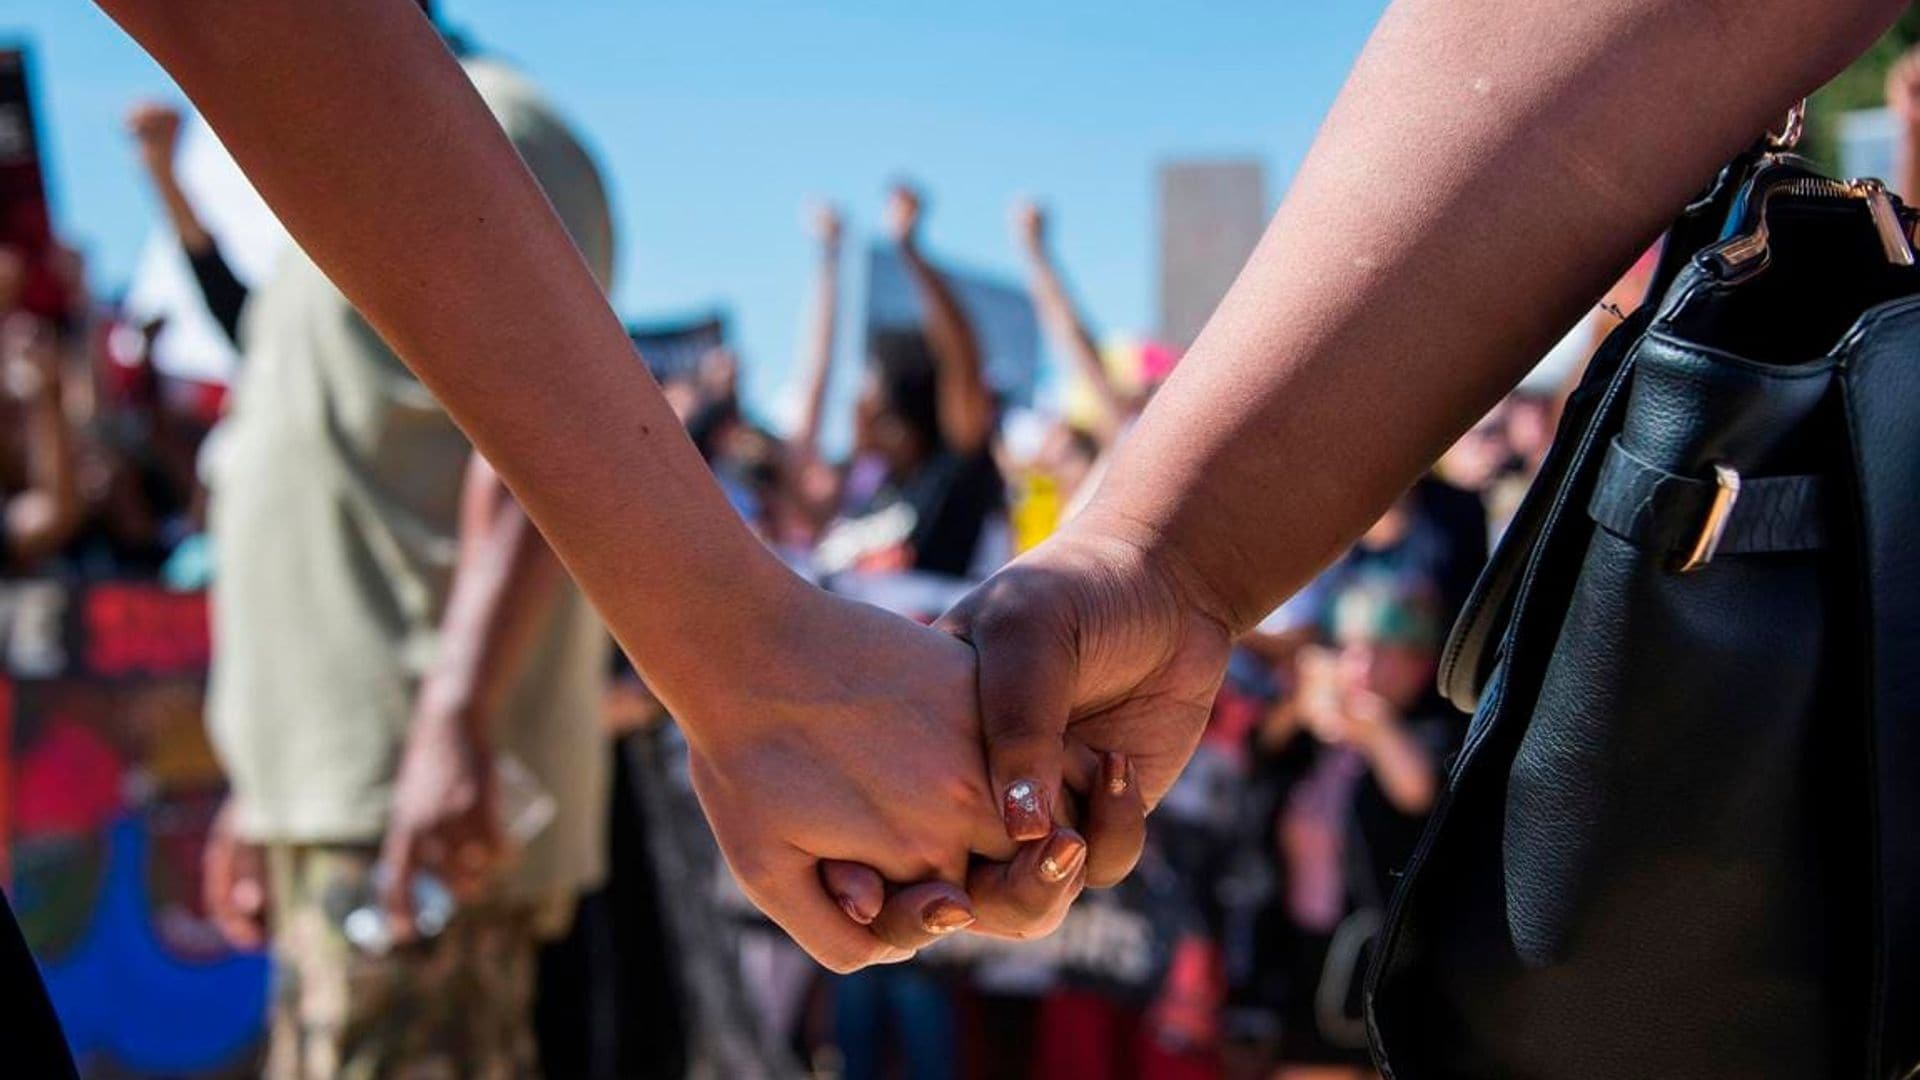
109 786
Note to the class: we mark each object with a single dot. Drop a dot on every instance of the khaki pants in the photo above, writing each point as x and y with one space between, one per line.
458 1006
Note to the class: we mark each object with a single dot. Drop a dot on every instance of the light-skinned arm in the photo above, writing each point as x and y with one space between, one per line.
505 583
820 728
823 322
1064 325
39 520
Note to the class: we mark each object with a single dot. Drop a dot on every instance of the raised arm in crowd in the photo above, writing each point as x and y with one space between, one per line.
156 131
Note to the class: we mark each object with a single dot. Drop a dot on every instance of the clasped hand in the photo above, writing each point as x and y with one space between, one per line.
875 784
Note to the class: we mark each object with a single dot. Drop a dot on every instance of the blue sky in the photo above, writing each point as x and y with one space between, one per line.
716 121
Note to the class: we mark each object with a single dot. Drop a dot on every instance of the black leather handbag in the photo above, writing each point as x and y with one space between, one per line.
1683 836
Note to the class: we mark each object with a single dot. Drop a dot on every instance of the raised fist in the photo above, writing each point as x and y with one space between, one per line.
823 220
155 128
1029 224
903 215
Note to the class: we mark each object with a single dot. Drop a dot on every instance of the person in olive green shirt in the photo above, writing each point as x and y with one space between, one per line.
383 605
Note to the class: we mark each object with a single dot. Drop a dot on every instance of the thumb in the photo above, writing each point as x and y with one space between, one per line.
1026 676
400 860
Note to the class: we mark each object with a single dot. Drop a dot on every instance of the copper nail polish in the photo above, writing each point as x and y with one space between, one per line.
1114 765
1062 857
943 916
1025 813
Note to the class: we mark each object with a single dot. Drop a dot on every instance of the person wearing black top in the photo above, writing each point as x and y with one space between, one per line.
156 130
926 416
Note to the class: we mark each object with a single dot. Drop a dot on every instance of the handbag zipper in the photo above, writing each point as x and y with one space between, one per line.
1886 219
1737 255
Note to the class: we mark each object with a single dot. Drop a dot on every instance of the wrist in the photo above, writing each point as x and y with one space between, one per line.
1160 556
740 648
450 706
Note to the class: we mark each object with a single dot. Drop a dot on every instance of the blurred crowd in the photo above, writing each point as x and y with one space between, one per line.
1238 948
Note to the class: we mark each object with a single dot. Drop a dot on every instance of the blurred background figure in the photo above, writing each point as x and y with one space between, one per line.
394 659
391 632
42 500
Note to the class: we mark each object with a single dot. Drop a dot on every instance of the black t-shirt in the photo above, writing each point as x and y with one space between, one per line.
952 499
930 520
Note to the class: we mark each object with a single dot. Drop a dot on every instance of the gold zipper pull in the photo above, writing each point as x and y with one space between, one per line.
1886 220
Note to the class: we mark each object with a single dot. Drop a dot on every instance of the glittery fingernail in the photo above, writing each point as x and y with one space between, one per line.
1113 769
1025 811
1064 853
943 916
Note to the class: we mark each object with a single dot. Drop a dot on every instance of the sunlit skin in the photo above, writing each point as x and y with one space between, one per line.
1381 314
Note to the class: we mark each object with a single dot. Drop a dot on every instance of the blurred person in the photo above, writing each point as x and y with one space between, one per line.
1436 532
717 376
1480 456
1053 479
129 507
1903 101
42 510
1348 764
810 487
155 128
1114 408
1067 477
388 625
1530 422
1486 461
923 485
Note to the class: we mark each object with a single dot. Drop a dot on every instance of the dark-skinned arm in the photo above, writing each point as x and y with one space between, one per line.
1487 171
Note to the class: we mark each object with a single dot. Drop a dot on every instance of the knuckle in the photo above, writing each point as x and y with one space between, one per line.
999 621
845 960
1025 924
963 795
931 857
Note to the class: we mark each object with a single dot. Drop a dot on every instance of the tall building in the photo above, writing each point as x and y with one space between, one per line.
1211 215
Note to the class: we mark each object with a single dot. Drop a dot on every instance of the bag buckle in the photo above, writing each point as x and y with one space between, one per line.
1726 484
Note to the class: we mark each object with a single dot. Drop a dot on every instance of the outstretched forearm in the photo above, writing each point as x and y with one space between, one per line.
382 161
1063 324
1484 175
193 234
816 358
